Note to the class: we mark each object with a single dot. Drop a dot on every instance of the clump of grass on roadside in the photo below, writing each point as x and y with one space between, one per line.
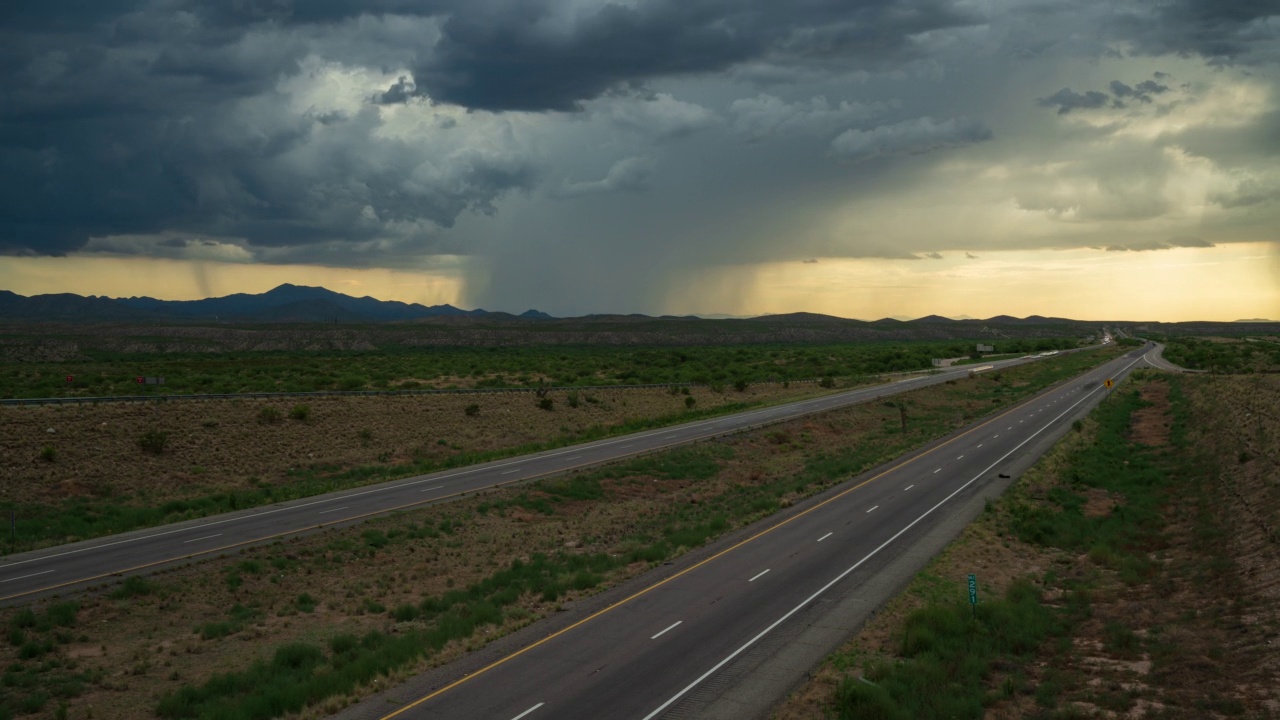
948 654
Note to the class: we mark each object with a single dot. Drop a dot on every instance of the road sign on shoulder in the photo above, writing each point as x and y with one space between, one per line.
1108 383
973 589
71 378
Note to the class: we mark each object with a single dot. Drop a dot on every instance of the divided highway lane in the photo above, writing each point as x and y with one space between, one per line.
646 654
78 565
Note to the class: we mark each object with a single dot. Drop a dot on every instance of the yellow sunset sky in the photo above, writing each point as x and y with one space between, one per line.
1222 283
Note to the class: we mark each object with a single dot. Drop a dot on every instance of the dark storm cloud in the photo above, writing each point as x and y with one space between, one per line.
136 117
1142 92
909 137
534 56
1235 31
399 92
1067 100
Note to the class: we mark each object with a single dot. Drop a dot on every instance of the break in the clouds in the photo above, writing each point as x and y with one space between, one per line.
601 154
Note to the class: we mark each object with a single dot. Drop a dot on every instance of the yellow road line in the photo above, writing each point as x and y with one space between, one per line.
697 565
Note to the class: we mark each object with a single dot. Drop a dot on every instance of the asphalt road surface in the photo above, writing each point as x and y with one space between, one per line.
695 639
72 567
1155 358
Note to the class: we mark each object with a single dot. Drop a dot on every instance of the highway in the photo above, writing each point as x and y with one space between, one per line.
72 567
1155 358
728 631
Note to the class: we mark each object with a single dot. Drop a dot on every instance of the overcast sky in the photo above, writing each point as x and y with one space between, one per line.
1089 158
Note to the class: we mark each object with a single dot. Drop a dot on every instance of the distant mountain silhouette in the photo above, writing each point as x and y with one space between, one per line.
286 303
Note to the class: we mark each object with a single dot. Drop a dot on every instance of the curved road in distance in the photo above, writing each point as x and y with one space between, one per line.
1155 358
75 566
704 638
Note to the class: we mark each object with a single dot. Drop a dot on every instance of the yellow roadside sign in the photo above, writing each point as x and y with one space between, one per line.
1108 383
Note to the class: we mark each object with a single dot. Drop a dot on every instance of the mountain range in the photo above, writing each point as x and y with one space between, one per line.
284 304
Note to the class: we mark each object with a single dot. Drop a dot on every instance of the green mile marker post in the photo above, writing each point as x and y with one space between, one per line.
973 594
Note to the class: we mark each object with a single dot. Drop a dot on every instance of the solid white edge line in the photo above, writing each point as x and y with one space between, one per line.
46 572
824 537
757 577
873 508
322 512
206 537
526 712
801 407
671 627
438 487
662 708
908 487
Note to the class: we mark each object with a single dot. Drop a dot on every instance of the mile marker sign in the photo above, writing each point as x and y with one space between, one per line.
973 592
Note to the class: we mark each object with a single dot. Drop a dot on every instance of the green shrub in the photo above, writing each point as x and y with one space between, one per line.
572 398
133 587
300 412
47 453
740 385
472 410
305 603
405 613
153 441
63 614
546 403
268 415
689 402
827 382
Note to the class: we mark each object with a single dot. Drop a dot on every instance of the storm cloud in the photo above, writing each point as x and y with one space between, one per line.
909 137
622 148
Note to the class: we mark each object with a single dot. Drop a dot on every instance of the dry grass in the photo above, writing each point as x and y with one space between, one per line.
221 445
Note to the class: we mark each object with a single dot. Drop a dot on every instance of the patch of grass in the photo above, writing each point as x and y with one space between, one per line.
133 586
1124 536
153 441
305 603
948 656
